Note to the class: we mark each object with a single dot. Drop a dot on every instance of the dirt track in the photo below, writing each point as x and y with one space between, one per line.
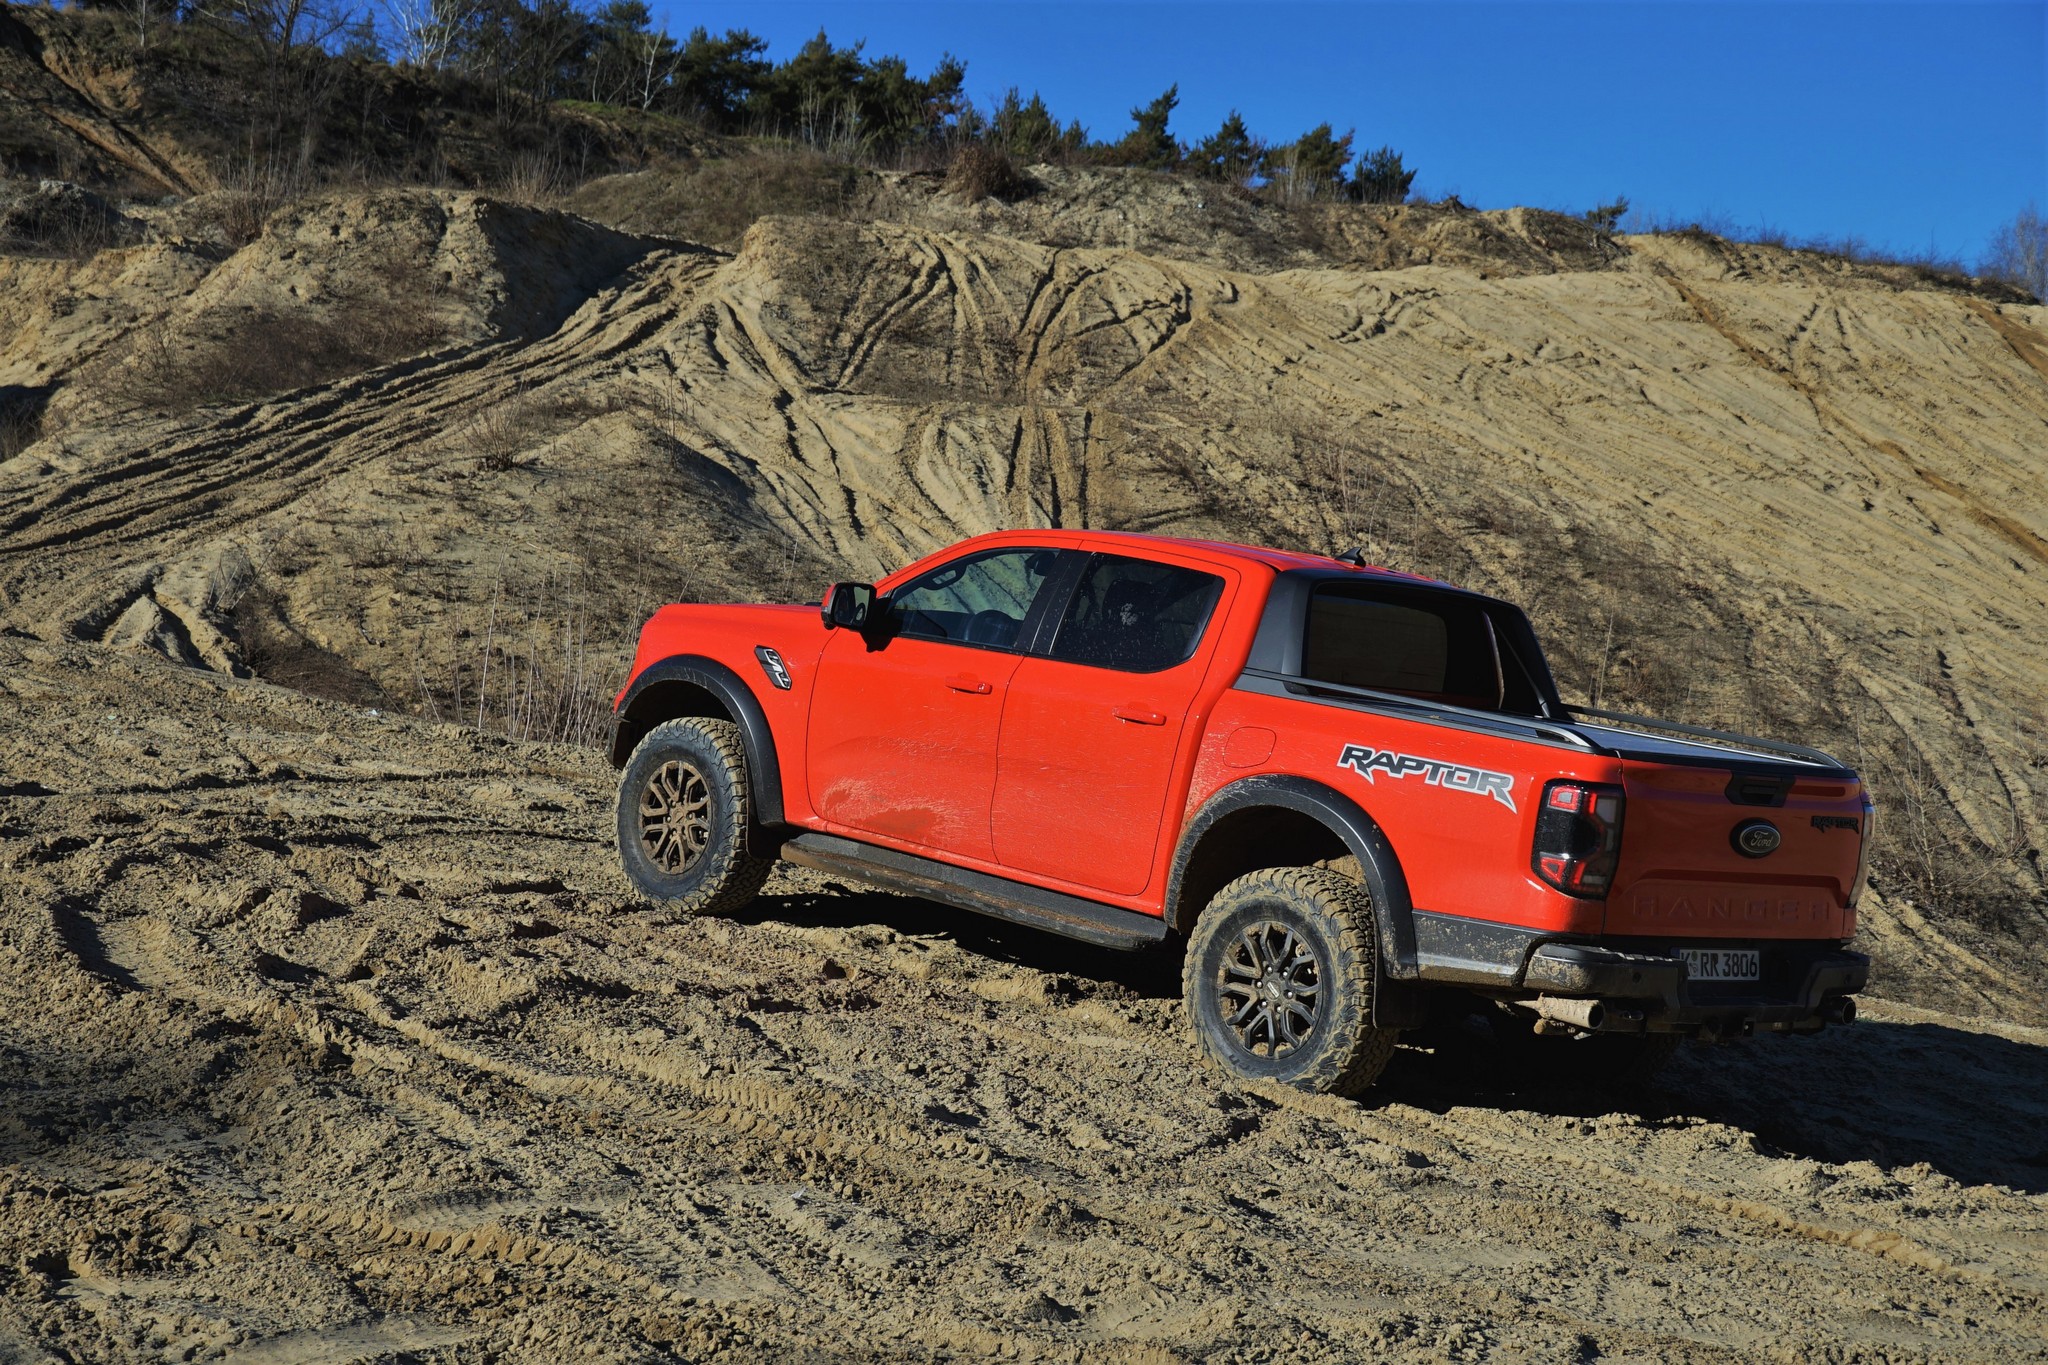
333 1037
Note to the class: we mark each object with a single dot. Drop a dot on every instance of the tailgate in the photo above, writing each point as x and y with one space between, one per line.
1724 848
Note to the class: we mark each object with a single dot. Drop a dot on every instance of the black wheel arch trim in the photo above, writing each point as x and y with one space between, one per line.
764 767
1393 910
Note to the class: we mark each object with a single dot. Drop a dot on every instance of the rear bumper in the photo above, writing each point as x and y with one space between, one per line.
1802 988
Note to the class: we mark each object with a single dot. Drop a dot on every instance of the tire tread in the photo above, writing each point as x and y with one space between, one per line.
1341 903
728 889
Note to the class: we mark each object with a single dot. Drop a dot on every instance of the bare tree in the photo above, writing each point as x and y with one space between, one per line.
426 33
656 58
2019 253
144 14
277 28
289 40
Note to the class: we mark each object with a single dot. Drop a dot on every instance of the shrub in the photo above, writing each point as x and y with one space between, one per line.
1607 217
62 218
715 199
980 171
21 418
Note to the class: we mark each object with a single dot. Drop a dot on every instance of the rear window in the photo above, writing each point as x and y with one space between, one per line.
1430 645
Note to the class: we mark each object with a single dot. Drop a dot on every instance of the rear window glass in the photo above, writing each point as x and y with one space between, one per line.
1136 615
1418 643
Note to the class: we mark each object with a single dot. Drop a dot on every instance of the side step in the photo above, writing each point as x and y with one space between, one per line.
1103 925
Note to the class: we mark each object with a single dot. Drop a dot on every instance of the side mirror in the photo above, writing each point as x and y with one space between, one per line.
849 605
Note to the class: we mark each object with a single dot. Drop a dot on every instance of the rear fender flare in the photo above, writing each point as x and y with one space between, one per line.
764 768
1393 910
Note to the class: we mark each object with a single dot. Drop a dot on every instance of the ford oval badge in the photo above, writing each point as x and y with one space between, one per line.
1755 838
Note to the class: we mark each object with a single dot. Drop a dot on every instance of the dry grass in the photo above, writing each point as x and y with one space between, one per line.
539 668
716 199
980 172
1928 267
178 367
264 353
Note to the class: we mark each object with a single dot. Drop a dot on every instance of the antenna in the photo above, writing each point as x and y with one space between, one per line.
1355 557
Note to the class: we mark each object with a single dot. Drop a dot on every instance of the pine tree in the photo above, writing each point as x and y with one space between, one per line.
1148 144
1607 217
717 77
1380 178
1028 131
1312 166
1230 154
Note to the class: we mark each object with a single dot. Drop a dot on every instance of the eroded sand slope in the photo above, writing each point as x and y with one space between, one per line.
1732 484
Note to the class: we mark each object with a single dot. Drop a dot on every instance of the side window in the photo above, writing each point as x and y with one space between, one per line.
1135 615
979 600
1429 645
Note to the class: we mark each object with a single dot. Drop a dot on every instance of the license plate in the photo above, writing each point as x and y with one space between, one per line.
1723 964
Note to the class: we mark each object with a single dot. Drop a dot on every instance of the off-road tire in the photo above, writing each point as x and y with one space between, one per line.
1339 1051
697 863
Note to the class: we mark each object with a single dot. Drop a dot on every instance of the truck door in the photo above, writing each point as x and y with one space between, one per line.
905 718
1095 721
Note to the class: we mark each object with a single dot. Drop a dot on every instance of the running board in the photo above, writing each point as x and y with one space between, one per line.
1089 921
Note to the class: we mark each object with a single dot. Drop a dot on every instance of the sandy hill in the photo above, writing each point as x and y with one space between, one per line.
332 1034
1734 484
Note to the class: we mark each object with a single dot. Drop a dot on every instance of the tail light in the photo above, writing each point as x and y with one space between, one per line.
1863 858
1578 837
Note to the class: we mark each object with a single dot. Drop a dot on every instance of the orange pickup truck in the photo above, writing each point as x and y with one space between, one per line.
1351 798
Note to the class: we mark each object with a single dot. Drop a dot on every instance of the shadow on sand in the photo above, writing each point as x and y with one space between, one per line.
1973 1106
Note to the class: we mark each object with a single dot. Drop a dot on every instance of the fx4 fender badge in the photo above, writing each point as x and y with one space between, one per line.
1370 762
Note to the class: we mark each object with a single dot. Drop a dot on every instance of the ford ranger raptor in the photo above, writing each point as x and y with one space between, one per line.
1350 798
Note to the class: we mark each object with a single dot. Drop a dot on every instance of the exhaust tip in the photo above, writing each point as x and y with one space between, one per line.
1840 1011
1587 1015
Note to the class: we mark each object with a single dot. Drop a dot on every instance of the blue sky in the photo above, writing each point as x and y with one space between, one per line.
1911 126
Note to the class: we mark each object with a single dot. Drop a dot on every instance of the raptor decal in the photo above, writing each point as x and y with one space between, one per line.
1369 763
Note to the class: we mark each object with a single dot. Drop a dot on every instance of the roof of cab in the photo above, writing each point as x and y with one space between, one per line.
1280 561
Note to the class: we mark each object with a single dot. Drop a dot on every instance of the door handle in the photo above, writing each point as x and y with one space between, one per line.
960 682
1138 715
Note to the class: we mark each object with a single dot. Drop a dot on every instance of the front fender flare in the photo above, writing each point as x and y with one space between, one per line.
764 766
1393 910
